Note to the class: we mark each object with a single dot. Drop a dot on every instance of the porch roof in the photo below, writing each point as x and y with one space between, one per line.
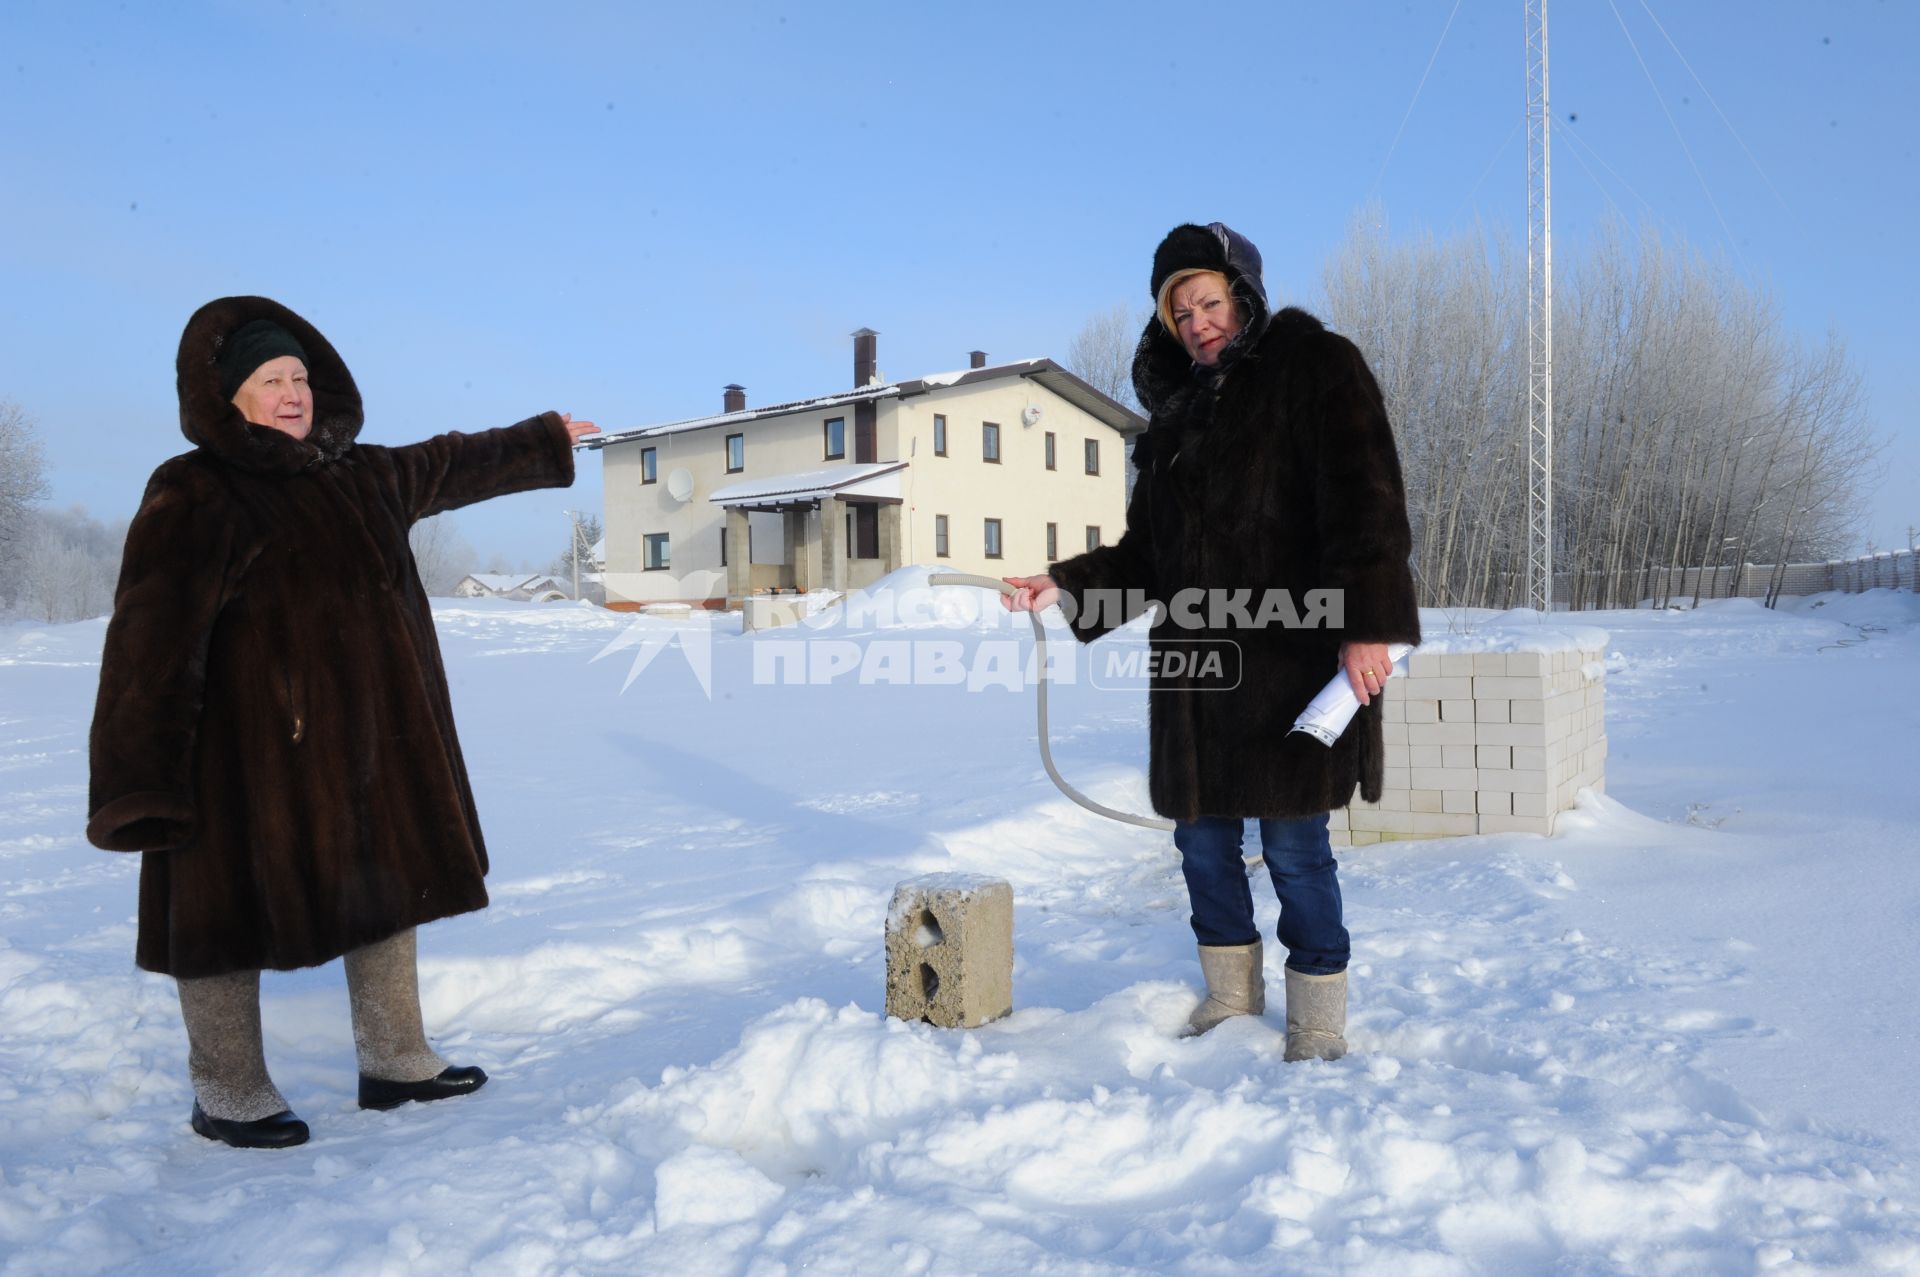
867 479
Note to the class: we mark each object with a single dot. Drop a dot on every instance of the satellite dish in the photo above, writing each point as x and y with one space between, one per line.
1030 414
680 484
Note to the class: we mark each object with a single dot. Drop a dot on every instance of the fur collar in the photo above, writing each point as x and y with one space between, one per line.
210 420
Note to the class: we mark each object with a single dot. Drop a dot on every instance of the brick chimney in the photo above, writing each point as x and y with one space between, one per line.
978 358
735 399
866 357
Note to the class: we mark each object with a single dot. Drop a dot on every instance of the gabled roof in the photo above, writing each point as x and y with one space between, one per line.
1045 371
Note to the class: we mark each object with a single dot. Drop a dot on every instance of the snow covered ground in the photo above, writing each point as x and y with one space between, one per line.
1678 1037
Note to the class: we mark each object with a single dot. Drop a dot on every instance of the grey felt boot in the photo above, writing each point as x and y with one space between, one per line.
1316 1016
1236 985
383 986
234 1100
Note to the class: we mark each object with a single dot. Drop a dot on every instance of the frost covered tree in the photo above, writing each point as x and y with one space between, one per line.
442 555
66 567
23 479
1101 353
1693 431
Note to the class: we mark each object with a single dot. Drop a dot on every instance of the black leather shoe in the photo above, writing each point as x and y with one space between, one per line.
279 1130
376 1093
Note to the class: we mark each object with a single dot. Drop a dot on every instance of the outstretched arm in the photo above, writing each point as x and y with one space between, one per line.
455 469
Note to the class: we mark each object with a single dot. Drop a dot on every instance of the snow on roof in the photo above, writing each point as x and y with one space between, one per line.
804 485
500 582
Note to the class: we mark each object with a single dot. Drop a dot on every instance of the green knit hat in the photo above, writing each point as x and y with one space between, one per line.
248 347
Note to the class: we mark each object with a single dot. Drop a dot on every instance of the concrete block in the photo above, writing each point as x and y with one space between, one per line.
1441 734
950 950
1395 800
1393 709
1363 838
1393 733
1493 824
1528 759
1531 709
1423 711
1399 756
1425 824
1457 801
1424 664
1457 665
1423 756
1494 803
1426 800
1494 663
1456 756
1494 757
1457 711
1526 664
1339 838
1396 778
1441 689
1491 711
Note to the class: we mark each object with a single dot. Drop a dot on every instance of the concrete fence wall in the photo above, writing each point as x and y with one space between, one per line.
1889 569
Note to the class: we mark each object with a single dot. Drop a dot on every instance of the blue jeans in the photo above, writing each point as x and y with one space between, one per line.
1300 861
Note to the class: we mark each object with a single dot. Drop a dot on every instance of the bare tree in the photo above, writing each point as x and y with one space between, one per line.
66 566
441 555
1101 353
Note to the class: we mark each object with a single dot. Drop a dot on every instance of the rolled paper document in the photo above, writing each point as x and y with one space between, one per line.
1330 712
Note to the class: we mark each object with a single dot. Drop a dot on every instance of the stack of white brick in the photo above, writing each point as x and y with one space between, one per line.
1485 742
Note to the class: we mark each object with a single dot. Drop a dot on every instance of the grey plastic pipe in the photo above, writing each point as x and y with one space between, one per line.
1323 720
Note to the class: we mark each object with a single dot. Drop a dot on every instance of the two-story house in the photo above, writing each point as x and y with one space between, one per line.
998 470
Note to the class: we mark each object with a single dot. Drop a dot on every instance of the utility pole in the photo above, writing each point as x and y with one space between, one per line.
1539 316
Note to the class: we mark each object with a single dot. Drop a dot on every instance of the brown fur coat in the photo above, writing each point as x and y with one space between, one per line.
273 728
1277 472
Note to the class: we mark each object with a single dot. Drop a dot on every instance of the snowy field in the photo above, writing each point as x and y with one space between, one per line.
1679 1037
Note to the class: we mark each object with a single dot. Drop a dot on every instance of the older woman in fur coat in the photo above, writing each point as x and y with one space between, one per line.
273 730
1267 475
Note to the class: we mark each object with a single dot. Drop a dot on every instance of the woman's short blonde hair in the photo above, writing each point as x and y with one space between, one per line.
1164 303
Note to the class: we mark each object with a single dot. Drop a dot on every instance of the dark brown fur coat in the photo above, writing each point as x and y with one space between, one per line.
273 727
1278 472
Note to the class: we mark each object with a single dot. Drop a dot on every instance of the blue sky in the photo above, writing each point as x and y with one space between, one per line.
617 209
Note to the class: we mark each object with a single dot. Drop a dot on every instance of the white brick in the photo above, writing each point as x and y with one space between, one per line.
1490 711
1395 800
1362 838
1426 800
1457 665
1526 759
1423 711
1496 757
1423 756
1440 689
1515 825
1339 838
1392 710
1397 756
1433 824
1534 734
1393 733
1457 755
1442 734
1527 710
1494 663
1396 778
1442 778
1496 687
1493 803
1525 665
1457 711
1424 664
1514 782
1458 801
1529 804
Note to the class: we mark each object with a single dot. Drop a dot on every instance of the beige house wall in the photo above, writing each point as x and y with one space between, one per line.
1019 491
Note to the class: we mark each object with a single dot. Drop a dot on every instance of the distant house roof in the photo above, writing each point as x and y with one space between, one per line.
871 478
1045 371
500 582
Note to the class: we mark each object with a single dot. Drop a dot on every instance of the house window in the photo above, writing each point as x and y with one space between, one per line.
1093 456
939 434
993 538
989 442
1093 537
649 465
940 536
659 557
836 437
1053 542
1049 449
736 453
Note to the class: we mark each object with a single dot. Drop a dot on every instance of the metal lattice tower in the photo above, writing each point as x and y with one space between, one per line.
1539 316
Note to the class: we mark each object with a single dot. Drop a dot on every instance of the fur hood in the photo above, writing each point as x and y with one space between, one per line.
209 419
1161 364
